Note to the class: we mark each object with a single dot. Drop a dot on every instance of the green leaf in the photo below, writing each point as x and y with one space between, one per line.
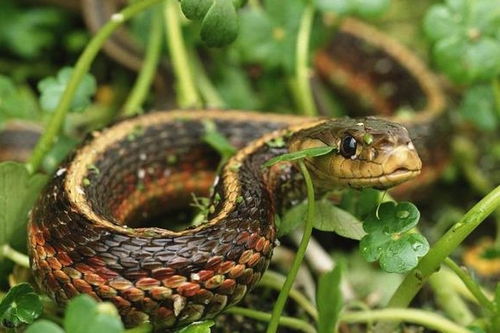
20 305
217 141
44 326
52 89
478 107
329 300
309 152
15 102
198 327
18 192
220 25
390 239
28 32
328 218
195 9
235 87
99 317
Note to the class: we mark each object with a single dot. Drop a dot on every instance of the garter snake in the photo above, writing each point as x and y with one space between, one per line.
85 234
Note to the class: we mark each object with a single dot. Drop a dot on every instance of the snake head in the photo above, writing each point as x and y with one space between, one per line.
369 152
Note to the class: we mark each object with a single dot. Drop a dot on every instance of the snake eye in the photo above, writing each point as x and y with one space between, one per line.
348 146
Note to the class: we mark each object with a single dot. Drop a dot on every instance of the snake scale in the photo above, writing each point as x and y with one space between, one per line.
85 234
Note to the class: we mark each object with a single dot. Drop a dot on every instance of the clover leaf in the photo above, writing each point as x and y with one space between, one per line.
52 88
219 20
478 107
20 305
268 35
99 317
466 39
390 238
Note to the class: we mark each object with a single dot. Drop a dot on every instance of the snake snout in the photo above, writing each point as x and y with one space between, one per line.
401 164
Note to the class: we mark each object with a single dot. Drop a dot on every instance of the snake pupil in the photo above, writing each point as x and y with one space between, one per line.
348 146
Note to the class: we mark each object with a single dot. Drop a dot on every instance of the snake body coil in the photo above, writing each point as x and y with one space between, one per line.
85 234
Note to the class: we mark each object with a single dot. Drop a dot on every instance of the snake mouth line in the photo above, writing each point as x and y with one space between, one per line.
382 182
399 173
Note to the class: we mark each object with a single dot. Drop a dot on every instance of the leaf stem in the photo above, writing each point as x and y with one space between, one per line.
141 88
19 258
470 284
427 319
188 96
207 89
443 248
263 316
275 281
81 68
280 302
302 70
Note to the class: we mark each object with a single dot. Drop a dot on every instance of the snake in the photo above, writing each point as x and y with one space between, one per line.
86 235
95 228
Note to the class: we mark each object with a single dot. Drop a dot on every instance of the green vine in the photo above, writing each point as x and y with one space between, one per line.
471 285
280 302
302 70
147 73
188 96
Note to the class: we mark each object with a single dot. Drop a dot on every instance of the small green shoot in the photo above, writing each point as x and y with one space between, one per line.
390 238
198 327
20 306
309 152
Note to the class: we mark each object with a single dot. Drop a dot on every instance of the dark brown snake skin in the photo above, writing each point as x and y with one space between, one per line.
85 233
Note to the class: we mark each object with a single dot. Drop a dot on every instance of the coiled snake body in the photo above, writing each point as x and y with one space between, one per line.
85 234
